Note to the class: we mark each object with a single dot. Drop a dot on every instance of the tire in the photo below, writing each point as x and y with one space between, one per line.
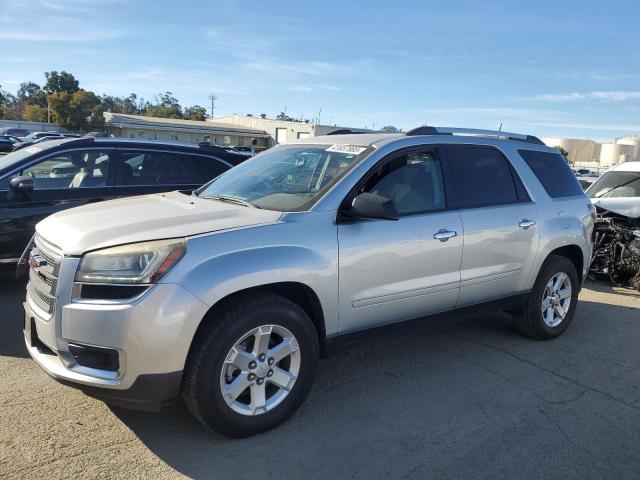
530 321
209 367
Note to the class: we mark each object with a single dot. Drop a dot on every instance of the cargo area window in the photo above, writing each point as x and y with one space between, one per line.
553 172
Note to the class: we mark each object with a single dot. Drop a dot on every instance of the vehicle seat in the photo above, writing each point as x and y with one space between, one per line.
409 187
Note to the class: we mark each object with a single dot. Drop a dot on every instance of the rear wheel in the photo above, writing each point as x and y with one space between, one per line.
252 366
552 303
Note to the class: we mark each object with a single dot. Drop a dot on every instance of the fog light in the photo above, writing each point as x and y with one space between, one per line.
95 357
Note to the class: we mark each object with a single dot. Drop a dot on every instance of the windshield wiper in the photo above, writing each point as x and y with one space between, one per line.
236 200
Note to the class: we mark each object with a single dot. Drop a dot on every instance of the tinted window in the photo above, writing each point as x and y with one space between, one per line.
481 176
75 169
161 168
413 182
554 173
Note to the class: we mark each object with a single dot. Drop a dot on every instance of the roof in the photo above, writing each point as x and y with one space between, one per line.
128 120
433 134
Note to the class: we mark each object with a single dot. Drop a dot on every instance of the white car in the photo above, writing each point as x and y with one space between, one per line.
618 190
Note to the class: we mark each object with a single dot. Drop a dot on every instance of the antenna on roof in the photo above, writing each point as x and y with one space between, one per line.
500 129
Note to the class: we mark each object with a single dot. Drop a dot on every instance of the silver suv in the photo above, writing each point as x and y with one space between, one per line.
228 295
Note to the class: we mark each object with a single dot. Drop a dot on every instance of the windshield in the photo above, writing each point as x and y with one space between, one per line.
286 178
616 184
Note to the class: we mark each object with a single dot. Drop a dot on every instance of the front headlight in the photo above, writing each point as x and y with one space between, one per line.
136 263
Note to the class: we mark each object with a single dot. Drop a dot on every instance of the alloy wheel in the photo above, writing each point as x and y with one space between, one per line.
260 370
556 299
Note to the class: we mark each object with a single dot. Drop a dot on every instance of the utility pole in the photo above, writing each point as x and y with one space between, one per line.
213 99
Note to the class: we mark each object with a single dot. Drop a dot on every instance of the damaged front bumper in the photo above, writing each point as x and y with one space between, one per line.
616 248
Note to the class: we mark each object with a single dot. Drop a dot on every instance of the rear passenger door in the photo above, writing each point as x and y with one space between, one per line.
499 222
151 171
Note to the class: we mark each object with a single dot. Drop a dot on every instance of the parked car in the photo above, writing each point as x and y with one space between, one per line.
228 297
37 137
16 132
587 180
244 150
59 174
7 143
616 195
583 171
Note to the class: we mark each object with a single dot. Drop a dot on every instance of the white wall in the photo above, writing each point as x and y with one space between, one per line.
32 126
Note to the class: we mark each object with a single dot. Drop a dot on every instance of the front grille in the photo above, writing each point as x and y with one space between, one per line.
44 267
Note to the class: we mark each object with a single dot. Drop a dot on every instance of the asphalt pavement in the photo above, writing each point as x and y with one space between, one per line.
466 398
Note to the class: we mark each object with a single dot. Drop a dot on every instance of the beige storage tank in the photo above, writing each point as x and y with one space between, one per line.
633 140
614 153
580 150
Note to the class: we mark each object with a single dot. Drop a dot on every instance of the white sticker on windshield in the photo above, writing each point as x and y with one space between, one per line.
33 149
352 149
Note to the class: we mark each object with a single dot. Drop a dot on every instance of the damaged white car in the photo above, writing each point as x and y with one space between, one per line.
616 244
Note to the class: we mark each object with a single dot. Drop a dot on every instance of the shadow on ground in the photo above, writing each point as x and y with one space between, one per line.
459 398
12 295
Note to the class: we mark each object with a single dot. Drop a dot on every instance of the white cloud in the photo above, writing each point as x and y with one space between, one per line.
614 95
60 36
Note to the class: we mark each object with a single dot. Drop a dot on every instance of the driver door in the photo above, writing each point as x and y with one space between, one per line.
391 271
61 180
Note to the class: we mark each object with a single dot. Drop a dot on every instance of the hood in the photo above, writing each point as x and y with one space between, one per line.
149 217
625 206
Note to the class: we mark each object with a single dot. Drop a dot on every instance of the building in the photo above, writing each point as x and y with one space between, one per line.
190 131
281 131
598 156
31 126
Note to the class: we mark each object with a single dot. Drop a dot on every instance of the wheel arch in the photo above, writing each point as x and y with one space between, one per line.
574 254
299 293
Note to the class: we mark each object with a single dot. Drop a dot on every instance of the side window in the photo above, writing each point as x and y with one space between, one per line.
162 168
481 176
413 181
553 172
76 169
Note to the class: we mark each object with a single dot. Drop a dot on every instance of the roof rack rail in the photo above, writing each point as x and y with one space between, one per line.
469 132
342 131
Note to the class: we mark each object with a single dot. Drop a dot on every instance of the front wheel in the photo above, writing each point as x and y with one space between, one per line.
552 303
252 365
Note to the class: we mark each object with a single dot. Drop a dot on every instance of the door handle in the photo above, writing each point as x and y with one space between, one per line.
443 235
526 223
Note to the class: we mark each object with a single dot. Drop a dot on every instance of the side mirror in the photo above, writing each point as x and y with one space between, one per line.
369 205
22 184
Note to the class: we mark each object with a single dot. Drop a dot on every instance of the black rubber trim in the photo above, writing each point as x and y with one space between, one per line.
148 392
513 302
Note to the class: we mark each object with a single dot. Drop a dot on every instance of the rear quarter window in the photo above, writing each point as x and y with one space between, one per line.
553 172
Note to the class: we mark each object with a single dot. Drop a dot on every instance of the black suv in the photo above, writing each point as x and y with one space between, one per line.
43 179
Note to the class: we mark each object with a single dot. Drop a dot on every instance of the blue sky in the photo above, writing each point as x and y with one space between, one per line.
550 68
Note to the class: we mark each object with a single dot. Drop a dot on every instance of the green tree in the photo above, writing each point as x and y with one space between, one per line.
77 111
283 116
9 106
60 82
563 152
34 113
30 93
390 129
166 106
195 112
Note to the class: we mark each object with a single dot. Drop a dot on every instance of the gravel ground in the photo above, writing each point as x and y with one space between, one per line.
465 398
